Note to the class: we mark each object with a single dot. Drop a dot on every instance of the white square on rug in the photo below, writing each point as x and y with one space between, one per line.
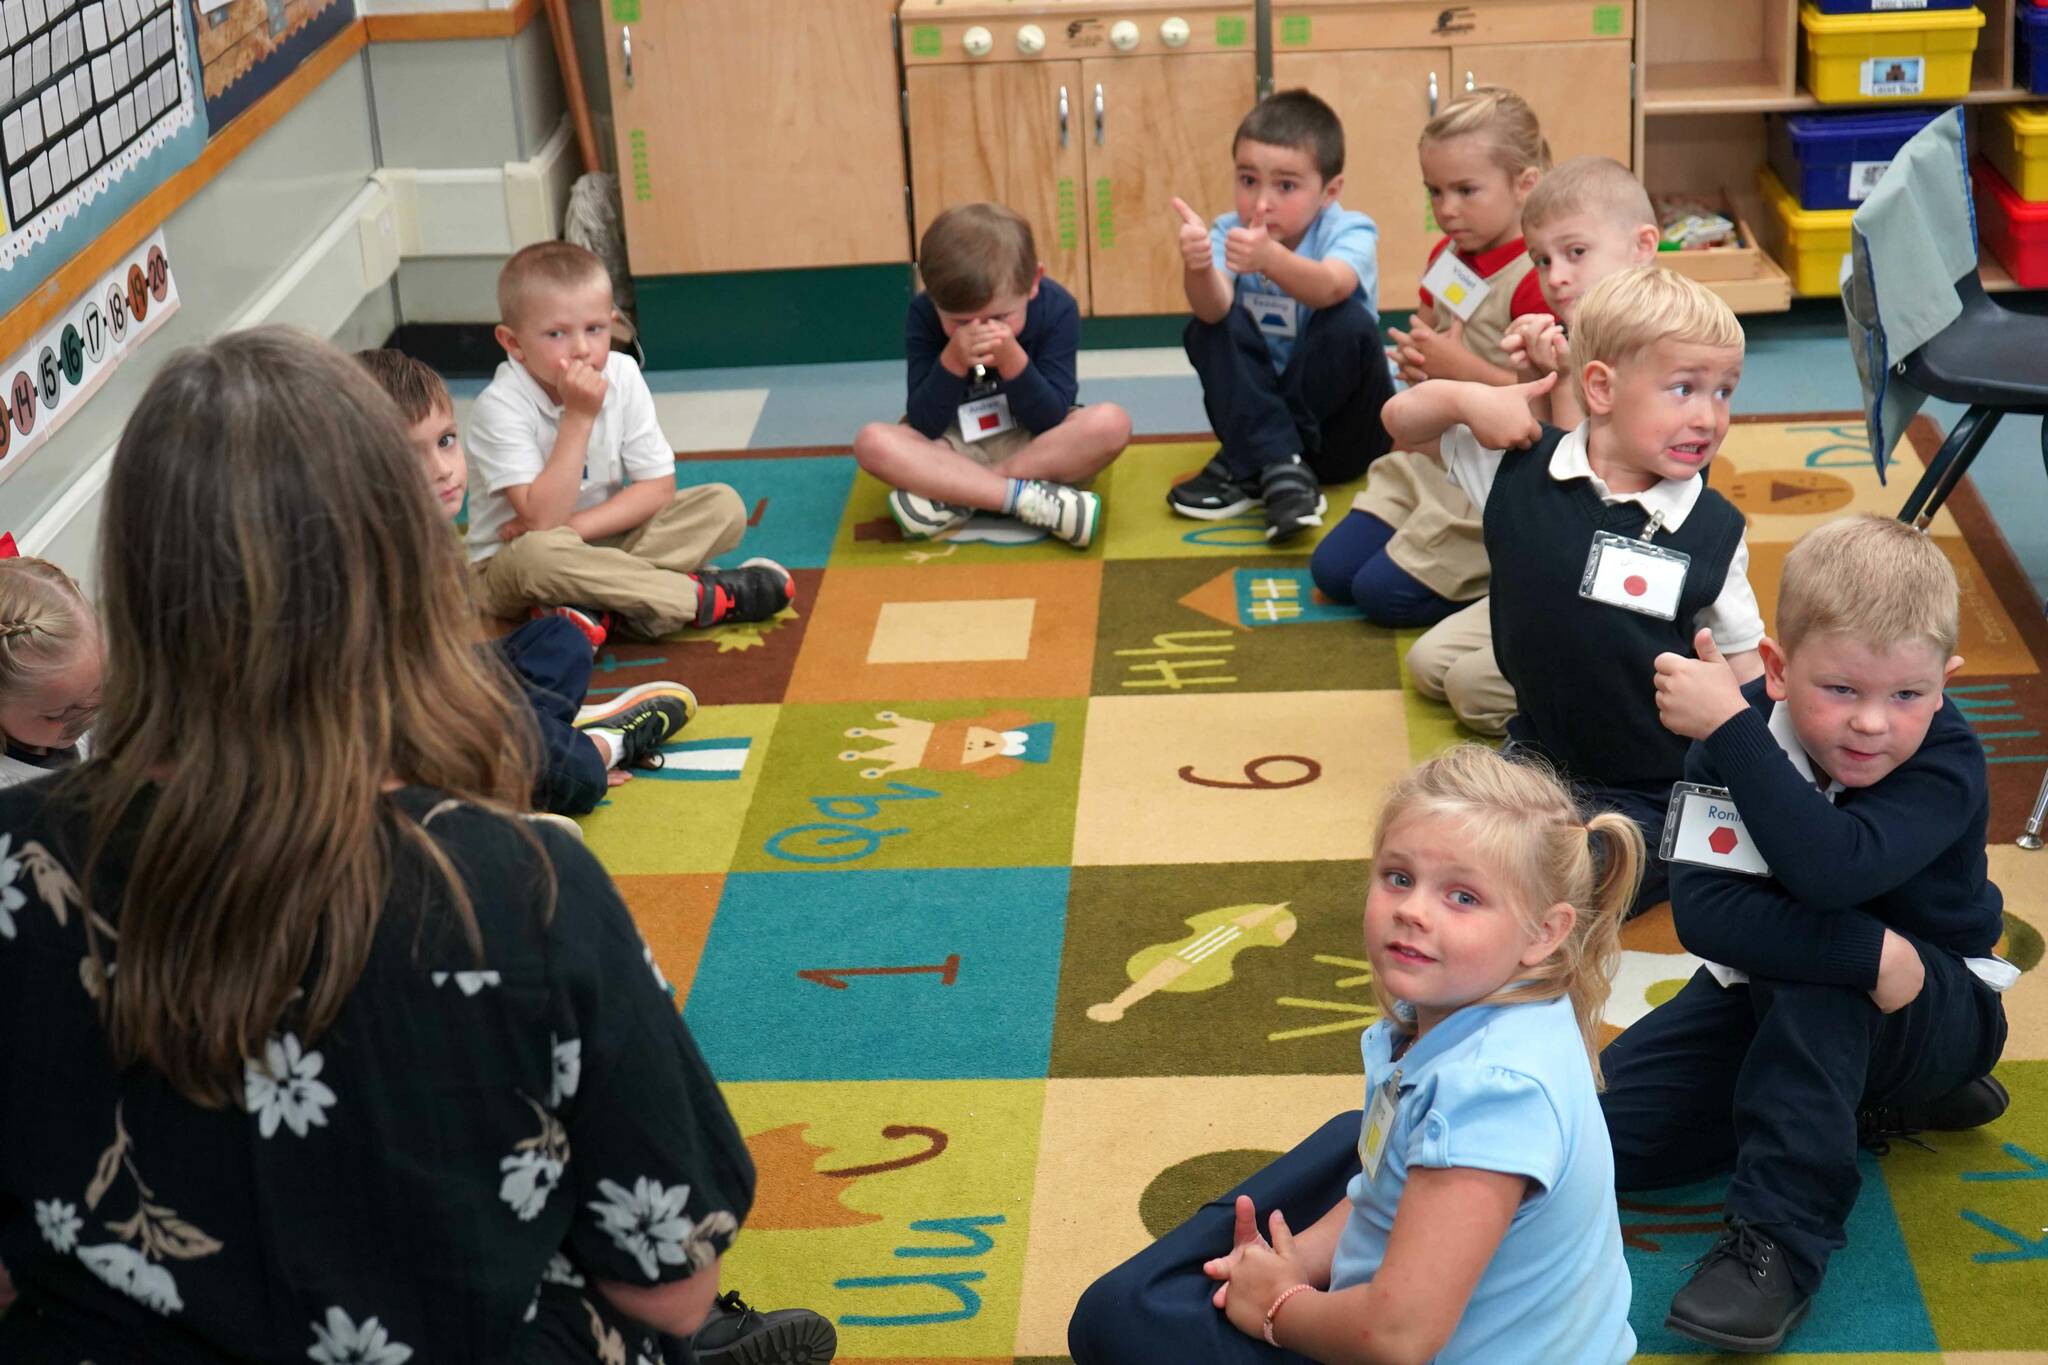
977 630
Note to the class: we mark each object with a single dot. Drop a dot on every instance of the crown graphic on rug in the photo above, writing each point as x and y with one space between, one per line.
987 746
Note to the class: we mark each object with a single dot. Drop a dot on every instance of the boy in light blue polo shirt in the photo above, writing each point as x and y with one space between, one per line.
1285 335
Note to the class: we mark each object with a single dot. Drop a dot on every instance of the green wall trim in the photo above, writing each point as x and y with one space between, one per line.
773 317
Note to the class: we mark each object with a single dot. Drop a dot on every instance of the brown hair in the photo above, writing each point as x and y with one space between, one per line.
289 629
44 619
1297 119
545 266
1514 139
1596 185
1870 577
1521 820
412 384
972 253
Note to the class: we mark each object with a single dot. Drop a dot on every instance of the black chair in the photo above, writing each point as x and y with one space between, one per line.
1995 362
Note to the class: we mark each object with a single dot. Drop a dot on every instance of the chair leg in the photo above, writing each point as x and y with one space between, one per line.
2030 837
1949 466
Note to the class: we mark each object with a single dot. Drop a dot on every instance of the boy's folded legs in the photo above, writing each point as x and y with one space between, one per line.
1351 565
1453 662
937 484
1670 1086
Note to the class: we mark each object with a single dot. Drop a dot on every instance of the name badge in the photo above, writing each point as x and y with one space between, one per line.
1634 574
1273 312
981 418
1702 826
1455 285
1378 1125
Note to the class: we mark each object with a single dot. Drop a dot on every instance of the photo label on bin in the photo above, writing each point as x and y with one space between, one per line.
1863 178
1892 76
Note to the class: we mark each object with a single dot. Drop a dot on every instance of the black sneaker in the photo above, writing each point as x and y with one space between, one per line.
1741 1298
650 720
735 1334
1294 500
1970 1105
1211 495
755 591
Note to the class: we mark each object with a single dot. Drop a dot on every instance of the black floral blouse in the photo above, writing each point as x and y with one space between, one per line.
436 1178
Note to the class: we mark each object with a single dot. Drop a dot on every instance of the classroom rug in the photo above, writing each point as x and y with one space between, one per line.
1013 894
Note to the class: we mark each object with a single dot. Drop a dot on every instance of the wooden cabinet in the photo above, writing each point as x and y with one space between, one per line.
1580 91
758 134
1096 183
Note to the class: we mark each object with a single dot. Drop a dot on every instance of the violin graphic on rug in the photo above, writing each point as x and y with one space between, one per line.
1202 960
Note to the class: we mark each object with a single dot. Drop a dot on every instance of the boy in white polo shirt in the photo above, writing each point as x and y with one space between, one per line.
574 504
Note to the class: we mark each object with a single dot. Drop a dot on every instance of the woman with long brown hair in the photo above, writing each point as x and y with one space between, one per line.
315 1049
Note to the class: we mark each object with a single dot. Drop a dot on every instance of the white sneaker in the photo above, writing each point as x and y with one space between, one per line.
1069 513
922 518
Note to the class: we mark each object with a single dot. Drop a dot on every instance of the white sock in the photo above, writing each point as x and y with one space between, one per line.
613 742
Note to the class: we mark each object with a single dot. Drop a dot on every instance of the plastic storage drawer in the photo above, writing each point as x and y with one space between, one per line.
1833 161
2013 230
1898 55
1808 243
2015 138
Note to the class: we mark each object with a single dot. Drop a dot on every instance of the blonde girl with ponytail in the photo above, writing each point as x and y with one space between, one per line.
50 663
1468 1215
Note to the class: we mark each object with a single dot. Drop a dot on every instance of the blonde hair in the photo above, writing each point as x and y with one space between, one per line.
1634 309
1520 820
44 620
542 267
1872 578
1514 139
972 253
1596 185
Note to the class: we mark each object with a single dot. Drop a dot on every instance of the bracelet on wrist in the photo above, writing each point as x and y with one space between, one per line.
1278 1304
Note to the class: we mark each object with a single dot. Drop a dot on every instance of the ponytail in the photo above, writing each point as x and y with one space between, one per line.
1593 950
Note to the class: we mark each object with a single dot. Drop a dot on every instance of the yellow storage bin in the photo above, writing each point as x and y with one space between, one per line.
2015 138
1808 243
1899 55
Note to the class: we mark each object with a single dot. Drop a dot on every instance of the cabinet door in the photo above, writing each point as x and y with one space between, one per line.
758 135
996 132
1163 130
1580 91
1384 100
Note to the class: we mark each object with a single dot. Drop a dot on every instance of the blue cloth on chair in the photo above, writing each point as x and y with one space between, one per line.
1911 240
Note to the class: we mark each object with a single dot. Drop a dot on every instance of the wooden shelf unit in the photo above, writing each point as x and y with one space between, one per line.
1709 72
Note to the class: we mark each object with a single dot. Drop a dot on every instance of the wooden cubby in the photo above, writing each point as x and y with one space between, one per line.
1710 72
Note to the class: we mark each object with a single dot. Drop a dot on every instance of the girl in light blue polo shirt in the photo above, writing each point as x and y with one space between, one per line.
1478 1223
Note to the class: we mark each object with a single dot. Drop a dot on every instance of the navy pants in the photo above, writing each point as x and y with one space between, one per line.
551 660
1351 565
1155 1306
1767 1078
1325 406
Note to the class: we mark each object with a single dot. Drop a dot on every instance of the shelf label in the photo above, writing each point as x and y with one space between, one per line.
1230 30
1893 76
1294 30
1897 4
1607 21
1863 178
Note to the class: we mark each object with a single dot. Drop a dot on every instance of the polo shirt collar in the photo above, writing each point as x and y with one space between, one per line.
529 388
1788 739
1486 263
1671 499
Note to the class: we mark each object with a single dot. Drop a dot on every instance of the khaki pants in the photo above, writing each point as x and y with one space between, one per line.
1454 662
1437 538
642 575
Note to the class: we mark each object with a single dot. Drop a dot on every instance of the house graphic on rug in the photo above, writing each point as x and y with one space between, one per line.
988 746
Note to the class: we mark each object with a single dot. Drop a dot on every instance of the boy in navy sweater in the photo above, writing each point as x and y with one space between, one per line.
990 423
1834 878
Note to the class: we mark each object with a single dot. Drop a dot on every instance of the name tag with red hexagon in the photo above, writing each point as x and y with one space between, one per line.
1702 826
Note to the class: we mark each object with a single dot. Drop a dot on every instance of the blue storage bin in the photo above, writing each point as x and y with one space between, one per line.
1832 161
1886 6
2032 58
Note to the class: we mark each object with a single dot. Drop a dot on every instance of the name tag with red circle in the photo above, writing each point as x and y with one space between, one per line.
1635 575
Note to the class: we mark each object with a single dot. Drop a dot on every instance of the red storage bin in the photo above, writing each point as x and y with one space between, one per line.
2011 228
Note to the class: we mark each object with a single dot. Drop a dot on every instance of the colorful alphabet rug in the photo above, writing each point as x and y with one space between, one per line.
1013 894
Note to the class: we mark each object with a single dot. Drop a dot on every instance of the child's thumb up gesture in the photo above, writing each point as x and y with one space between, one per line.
1696 697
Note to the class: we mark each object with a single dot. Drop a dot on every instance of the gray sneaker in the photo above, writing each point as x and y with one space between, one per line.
1069 513
922 518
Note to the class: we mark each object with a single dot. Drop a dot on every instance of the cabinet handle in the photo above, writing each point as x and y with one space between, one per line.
1098 113
626 51
1432 94
1469 86
1063 118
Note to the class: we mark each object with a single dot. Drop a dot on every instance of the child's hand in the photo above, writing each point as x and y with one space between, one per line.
1696 697
1195 252
1248 250
1535 344
1900 974
978 342
513 529
1261 1275
1430 353
583 388
1245 1234
1501 418
1009 357
616 777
